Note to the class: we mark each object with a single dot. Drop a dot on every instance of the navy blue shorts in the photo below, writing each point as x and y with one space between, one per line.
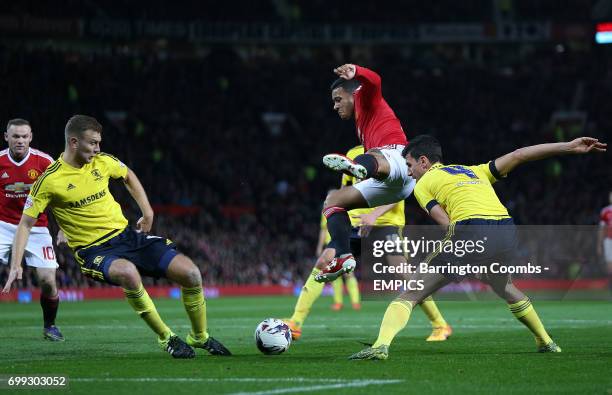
150 254
498 238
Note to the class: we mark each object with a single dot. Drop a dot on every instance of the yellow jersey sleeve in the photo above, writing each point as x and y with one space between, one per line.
424 195
114 167
41 194
35 205
487 171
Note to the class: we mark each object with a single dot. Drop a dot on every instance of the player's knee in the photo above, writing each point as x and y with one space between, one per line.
125 274
46 280
185 272
193 276
332 200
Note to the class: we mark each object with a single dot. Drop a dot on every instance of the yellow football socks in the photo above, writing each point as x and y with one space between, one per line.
352 286
309 294
395 319
524 312
431 310
195 306
338 286
143 305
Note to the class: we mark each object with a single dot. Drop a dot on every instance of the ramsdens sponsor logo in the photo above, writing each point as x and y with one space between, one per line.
89 199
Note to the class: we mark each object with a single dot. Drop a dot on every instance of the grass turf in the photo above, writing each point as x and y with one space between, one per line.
109 349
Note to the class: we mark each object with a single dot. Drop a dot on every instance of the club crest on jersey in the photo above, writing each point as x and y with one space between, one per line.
96 173
33 174
98 260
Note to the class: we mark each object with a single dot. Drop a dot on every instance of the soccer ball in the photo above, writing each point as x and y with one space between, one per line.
272 336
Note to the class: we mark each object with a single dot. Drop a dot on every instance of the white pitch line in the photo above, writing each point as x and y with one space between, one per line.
349 384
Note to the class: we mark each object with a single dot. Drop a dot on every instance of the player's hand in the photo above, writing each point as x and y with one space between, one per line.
144 224
365 219
61 238
14 274
346 71
583 145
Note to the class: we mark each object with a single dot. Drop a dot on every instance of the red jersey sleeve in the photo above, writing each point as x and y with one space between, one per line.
370 90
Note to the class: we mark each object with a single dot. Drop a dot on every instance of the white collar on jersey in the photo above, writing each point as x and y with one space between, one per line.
22 161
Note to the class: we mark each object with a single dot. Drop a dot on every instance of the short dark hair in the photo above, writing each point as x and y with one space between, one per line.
78 124
424 145
348 85
17 122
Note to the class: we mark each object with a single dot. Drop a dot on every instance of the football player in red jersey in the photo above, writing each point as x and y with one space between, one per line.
20 166
604 244
357 94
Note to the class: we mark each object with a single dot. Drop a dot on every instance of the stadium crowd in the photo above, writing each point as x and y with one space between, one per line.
236 135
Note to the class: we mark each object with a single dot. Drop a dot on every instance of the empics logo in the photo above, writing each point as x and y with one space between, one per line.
33 174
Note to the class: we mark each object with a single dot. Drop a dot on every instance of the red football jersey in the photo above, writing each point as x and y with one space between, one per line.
377 124
16 179
606 219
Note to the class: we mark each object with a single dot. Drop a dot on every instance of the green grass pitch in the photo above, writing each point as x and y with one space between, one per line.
109 350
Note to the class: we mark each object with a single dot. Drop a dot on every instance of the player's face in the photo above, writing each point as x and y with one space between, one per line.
18 138
344 103
417 167
88 146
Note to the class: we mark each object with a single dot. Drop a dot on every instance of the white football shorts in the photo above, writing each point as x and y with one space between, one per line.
398 186
39 250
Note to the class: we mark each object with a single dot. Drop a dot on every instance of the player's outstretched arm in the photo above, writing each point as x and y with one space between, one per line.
581 145
19 244
134 187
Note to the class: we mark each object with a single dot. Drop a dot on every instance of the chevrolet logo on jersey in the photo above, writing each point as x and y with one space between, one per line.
18 187
87 200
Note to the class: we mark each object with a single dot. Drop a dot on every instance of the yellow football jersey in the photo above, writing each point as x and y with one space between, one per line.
464 192
80 199
393 217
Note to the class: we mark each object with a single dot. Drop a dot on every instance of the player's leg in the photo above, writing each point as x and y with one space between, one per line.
40 255
125 274
335 210
398 313
49 302
608 258
309 294
338 294
182 270
440 329
520 306
352 288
